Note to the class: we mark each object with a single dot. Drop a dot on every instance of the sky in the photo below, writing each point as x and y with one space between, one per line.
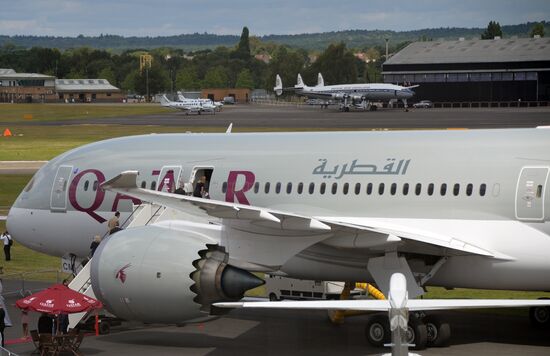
173 17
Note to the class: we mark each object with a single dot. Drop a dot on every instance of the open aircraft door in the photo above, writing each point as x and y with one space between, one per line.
168 178
530 193
58 201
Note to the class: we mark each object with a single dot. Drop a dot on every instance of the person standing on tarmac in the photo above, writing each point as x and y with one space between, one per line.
8 241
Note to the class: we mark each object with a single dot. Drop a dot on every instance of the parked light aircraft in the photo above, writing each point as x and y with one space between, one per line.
444 208
217 104
189 105
357 95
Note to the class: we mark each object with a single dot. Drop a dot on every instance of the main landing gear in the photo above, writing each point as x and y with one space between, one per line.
422 331
540 317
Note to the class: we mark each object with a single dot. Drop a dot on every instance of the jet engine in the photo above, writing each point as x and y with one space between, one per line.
160 275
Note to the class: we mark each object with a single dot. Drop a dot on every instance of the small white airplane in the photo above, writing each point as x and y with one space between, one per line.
189 105
356 95
398 307
217 104
462 209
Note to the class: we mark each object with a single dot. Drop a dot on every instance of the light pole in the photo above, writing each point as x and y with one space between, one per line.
145 61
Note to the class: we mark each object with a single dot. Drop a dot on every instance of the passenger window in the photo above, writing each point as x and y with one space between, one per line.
256 187
369 188
357 188
278 187
405 188
323 188
430 189
393 189
153 185
144 184
346 188
334 188
224 187
86 185
482 189
266 188
289 188
443 189
381 189
311 188
469 189
300 187
456 189
418 189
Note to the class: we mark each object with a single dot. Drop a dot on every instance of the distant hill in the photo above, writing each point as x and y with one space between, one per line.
309 41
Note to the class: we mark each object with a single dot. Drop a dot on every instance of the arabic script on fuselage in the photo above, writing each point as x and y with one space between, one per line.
392 166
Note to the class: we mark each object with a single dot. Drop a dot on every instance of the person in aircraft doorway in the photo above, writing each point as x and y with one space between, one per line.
201 188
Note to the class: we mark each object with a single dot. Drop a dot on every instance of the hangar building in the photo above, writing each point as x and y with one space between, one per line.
474 71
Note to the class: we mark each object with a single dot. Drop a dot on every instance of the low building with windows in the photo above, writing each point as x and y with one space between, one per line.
87 90
26 87
33 87
499 70
241 95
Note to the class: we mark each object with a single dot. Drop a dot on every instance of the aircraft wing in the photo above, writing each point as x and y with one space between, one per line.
384 305
297 230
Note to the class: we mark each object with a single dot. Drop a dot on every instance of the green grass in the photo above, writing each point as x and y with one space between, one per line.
45 142
49 112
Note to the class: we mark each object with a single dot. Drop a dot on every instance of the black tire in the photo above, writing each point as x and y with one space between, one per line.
273 297
540 317
417 333
104 327
439 333
377 330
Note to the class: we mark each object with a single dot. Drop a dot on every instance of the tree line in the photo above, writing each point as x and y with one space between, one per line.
223 67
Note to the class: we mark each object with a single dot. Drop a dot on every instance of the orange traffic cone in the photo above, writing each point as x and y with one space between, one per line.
7 133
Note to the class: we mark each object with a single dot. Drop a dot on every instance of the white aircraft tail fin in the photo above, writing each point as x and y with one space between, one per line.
320 80
299 82
164 101
278 88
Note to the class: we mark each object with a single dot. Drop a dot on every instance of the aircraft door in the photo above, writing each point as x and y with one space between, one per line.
58 201
168 178
530 193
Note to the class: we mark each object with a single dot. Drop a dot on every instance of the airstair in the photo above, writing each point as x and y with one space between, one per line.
142 215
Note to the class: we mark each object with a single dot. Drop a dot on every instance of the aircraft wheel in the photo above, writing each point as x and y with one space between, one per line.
540 317
104 327
377 330
439 333
417 333
273 297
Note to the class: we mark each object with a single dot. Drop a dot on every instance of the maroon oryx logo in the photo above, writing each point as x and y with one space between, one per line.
121 274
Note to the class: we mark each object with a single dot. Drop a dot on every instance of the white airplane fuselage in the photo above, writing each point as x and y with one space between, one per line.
370 92
486 188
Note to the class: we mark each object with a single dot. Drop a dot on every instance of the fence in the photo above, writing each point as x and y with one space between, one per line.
22 278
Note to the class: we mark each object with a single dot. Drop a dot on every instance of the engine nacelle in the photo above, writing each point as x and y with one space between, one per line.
150 274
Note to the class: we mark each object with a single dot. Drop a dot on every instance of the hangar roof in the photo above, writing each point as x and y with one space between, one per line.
474 51
84 85
6 73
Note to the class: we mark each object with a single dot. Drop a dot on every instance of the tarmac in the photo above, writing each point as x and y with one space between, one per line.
313 117
267 332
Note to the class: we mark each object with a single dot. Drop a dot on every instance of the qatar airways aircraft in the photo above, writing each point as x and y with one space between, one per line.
357 95
441 208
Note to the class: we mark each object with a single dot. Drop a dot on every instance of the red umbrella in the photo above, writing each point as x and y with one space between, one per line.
59 299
